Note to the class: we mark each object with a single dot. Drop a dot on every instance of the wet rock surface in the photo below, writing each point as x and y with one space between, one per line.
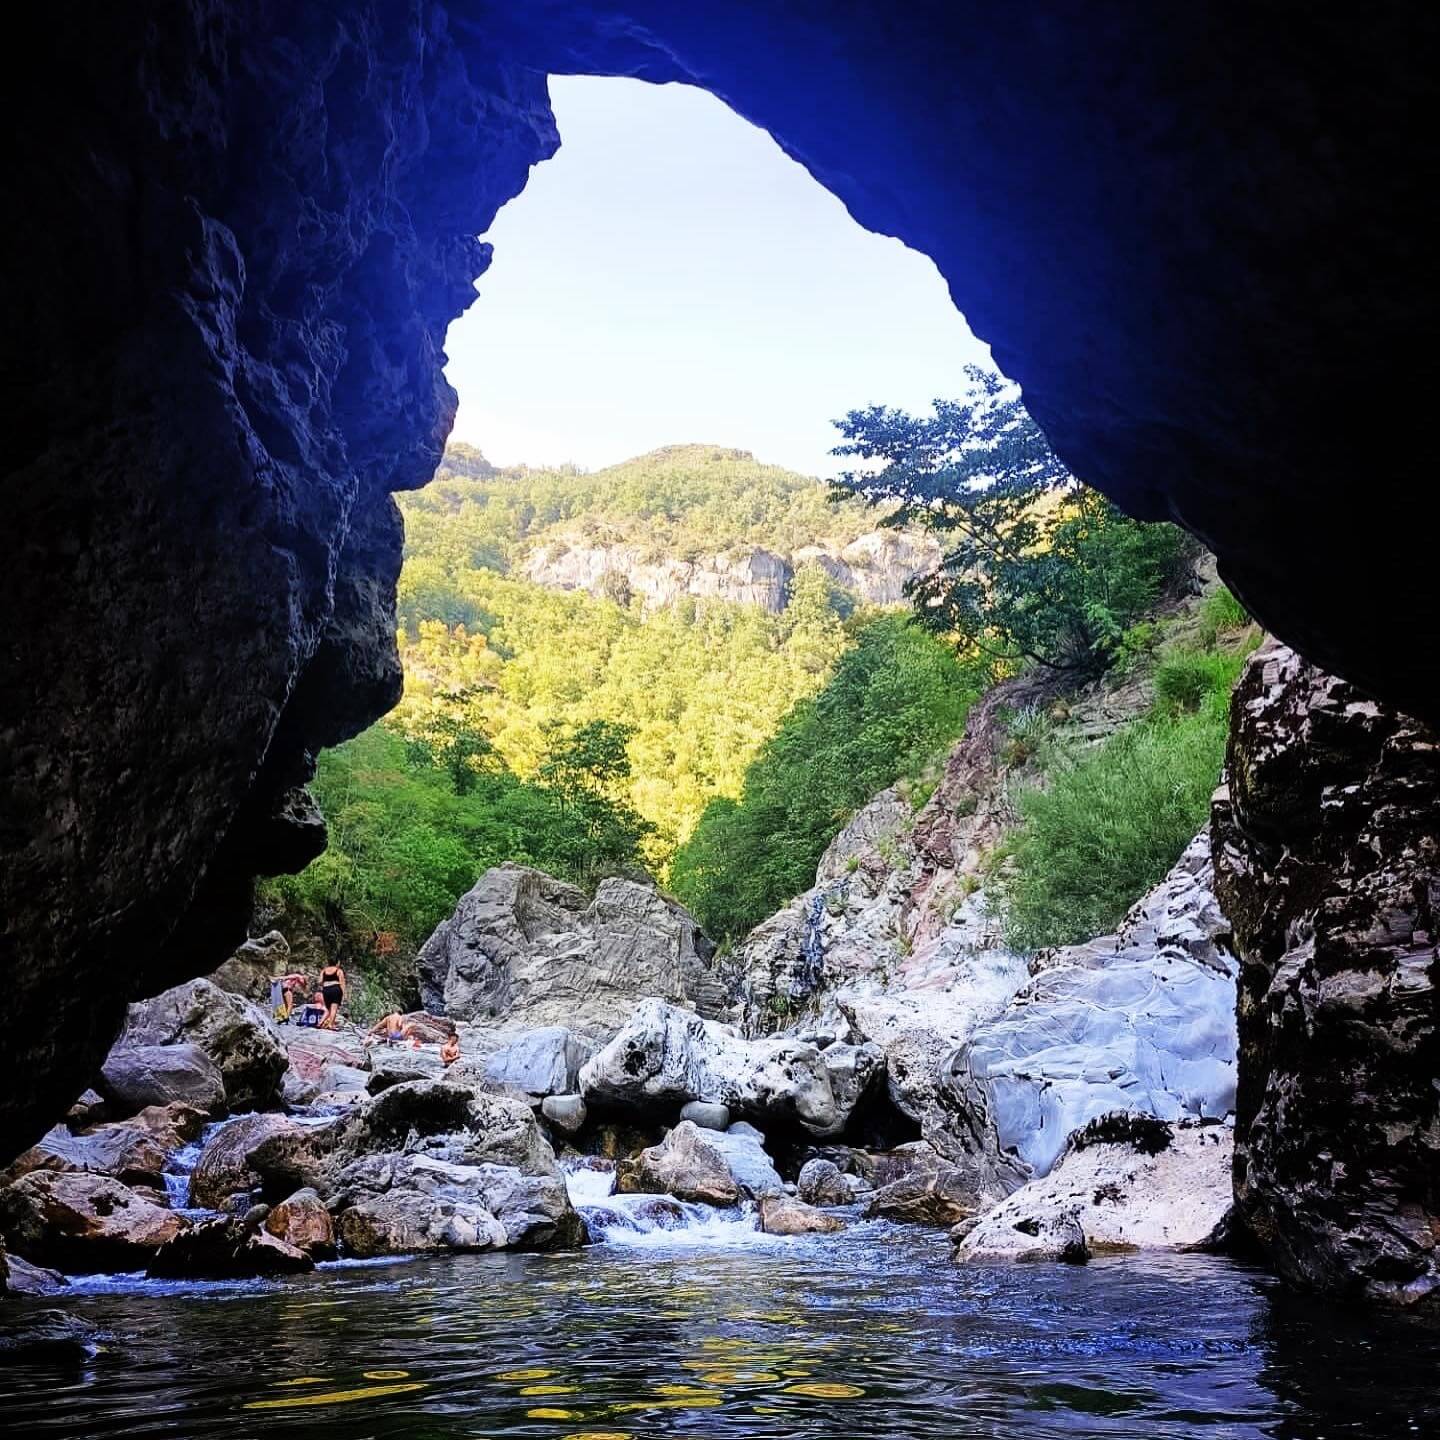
784 1215
226 1248
941 1197
687 1164
226 1167
1327 846
81 1222
19 1277
396 1204
302 1221
44 1336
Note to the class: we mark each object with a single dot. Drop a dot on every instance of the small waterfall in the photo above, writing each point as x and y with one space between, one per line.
180 1165
656 1221
807 977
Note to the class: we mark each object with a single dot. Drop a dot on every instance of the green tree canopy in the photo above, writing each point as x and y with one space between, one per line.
1041 568
895 700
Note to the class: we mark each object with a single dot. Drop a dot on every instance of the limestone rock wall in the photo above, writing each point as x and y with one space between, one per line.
874 568
1327 858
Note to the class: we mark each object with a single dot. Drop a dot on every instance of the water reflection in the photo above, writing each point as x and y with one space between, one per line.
871 1333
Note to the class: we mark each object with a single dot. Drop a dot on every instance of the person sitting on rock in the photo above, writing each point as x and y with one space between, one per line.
450 1048
392 1029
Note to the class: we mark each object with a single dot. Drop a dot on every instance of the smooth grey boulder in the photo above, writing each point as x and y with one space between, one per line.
666 1057
546 1061
134 1077
707 1114
1143 1021
743 1149
393 1204
226 1165
1129 1186
395 1064
707 1167
235 1033
565 1112
823 1183
527 951
1057 1236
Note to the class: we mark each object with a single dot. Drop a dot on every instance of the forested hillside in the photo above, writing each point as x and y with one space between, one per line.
718 745
588 733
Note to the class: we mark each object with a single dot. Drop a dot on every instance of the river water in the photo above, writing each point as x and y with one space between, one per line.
693 1324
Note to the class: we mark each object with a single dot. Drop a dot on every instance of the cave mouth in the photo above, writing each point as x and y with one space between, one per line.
668 283
240 257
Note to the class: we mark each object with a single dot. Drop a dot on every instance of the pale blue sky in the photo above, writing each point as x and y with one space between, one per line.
672 276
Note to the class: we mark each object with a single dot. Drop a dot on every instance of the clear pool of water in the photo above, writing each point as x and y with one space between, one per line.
715 1331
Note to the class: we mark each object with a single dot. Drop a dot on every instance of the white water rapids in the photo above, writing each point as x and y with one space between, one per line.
658 1221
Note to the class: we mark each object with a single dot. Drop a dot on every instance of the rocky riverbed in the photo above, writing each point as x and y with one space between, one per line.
871 1085
1093 1089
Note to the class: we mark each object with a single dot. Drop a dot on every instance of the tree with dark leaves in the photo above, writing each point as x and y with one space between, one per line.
1041 568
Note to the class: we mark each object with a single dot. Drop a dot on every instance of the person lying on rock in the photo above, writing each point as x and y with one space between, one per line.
450 1048
332 988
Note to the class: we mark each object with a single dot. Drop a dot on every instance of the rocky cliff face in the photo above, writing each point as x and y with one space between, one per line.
1327 848
226 311
874 568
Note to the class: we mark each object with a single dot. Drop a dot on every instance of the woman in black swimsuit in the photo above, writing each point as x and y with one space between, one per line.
332 990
